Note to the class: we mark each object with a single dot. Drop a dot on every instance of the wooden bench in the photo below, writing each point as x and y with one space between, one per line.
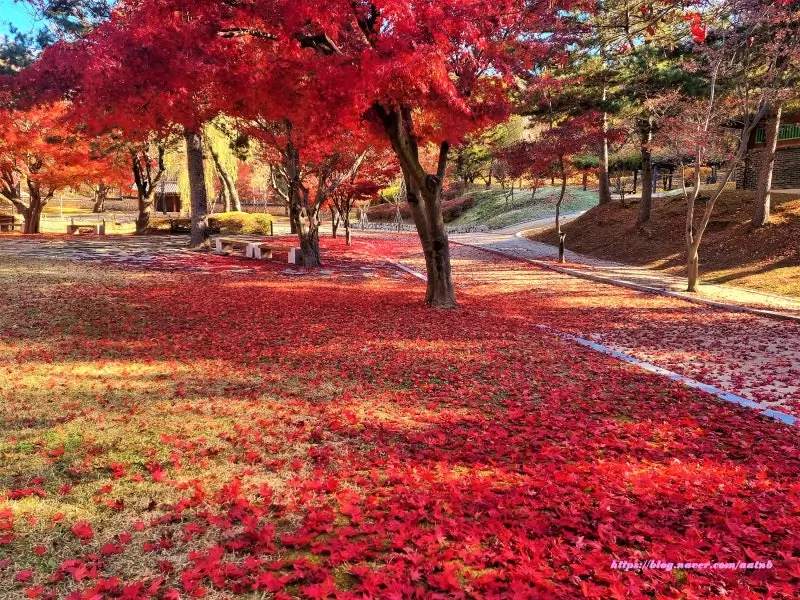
98 228
7 223
230 245
257 250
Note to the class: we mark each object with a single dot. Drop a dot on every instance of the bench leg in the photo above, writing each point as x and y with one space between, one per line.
261 254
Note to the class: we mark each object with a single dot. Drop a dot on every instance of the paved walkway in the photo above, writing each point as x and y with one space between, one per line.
752 356
512 242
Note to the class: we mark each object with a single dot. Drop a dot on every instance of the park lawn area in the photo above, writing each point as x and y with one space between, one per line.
766 259
492 209
185 435
53 208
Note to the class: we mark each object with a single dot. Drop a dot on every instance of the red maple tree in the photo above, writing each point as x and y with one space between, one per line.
416 74
40 153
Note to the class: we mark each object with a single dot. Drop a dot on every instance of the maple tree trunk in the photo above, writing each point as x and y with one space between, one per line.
199 237
100 195
145 185
346 222
32 214
334 222
145 210
440 292
304 217
309 244
763 200
307 226
646 203
424 193
292 219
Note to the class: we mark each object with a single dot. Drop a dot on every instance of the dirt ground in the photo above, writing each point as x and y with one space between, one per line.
766 259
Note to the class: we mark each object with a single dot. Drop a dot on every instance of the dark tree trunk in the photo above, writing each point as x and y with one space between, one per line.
346 222
561 235
199 237
145 211
145 185
585 181
100 195
33 217
292 220
763 200
602 170
334 222
304 218
424 199
646 204
32 214
635 180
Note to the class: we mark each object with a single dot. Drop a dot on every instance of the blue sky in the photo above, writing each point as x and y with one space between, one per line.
18 13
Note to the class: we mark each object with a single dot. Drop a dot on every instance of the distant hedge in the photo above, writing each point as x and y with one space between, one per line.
451 210
230 223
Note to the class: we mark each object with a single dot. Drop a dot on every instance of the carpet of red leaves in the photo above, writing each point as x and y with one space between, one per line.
326 436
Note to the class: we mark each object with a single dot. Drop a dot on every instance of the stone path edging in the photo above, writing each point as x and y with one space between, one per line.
687 381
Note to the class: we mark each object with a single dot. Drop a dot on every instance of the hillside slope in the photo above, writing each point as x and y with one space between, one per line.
491 208
766 259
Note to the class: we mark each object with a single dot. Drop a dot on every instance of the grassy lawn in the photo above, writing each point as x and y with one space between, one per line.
492 209
180 435
766 259
53 208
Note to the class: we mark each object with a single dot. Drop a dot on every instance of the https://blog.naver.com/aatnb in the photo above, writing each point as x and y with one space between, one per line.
662 565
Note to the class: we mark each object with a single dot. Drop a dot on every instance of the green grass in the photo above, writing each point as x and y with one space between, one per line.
492 209
53 208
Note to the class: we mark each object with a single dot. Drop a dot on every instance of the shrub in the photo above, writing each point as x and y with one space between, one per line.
391 192
452 209
387 213
241 222
230 223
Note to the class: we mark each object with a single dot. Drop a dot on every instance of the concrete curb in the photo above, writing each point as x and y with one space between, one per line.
637 286
402 267
777 415
763 409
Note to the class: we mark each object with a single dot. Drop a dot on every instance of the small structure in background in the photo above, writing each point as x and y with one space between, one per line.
786 172
168 197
